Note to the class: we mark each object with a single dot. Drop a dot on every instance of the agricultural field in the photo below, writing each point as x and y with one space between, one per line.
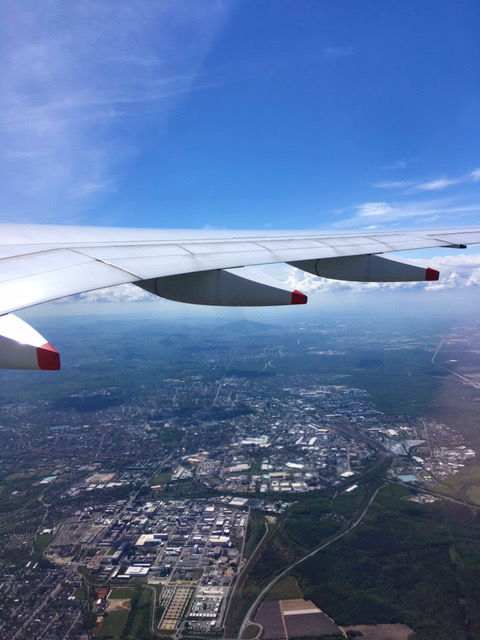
382 631
298 618
285 589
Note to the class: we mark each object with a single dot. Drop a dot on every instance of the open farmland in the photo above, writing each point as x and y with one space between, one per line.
383 631
296 618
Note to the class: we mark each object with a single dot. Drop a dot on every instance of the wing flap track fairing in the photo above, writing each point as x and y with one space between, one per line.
366 268
242 287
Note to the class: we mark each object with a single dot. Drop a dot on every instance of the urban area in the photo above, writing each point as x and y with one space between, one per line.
131 516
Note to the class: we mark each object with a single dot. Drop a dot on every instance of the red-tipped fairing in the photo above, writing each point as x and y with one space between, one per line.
48 358
242 287
21 347
431 274
366 268
299 298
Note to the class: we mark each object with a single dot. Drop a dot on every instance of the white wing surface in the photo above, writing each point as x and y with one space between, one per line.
40 263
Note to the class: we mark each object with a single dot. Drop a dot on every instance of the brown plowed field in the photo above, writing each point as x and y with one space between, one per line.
270 616
383 631
298 605
310 624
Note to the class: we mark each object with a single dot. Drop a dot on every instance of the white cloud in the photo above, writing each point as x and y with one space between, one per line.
439 184
394 184
374 209
422 212
111 295
81 84
118 294
400 164
338 52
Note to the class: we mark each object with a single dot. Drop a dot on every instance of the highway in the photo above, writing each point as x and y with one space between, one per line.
472 383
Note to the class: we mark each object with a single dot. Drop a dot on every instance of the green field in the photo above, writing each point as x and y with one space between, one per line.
286 589
458 485
121 594
80 594
112 626
275 555
473 494
141 622
251 632
161 478
456 405
41 543
256 467
137 625
255 530
306 525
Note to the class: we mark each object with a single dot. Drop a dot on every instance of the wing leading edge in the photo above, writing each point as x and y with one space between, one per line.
40 263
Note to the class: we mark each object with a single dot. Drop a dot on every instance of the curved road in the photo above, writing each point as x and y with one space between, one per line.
248 618
229 616
384 460
380 465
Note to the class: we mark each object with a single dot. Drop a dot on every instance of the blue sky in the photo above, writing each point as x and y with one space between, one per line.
254 114
251 114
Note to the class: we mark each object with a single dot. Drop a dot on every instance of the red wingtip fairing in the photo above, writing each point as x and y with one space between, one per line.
431 274
299 298
48 358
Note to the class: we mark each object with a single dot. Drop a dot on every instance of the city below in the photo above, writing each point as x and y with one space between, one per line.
149 505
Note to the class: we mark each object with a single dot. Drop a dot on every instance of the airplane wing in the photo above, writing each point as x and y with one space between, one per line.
40 263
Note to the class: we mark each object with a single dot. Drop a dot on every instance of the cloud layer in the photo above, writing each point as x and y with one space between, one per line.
413 203
438 184
422 213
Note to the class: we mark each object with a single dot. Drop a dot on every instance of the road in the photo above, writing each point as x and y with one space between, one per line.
266 365
153 618
30 618
65 637
471 383
384 459
248 618
233 594
237 589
